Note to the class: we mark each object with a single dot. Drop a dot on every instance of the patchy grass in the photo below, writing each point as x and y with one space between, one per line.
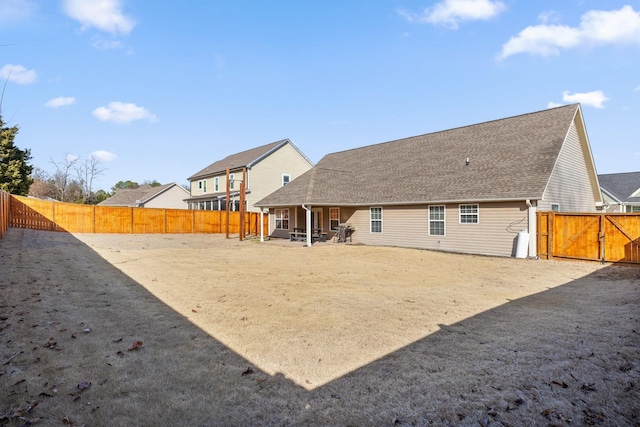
199 330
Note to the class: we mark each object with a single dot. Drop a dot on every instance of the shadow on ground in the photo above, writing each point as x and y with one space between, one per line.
567 356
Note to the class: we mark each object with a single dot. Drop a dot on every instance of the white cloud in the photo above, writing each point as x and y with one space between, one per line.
554 105
594 99
637 89
121 112
16 10
18 74
451 12
596 27
105 15
104 156
102 44
61 101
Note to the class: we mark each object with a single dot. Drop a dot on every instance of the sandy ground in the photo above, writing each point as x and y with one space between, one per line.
325 317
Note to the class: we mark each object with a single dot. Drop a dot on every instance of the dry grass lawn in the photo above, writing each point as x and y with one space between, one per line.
197 330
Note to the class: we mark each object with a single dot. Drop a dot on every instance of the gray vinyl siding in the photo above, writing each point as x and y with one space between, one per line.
408 226
569 183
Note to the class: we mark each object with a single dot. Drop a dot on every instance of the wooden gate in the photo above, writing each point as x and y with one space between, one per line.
606 237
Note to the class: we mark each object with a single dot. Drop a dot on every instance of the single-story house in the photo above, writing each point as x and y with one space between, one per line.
621 191
168 196
268 168
473 189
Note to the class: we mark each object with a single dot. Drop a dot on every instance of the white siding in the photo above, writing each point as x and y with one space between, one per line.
266 176
408 226
570 185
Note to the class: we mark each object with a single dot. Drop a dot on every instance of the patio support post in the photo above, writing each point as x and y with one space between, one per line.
262 224
532 207
308 224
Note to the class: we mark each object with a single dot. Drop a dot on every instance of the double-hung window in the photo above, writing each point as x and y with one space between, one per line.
231 183
436 220
334 219
282 219
202 185
375 219
469 214
216 184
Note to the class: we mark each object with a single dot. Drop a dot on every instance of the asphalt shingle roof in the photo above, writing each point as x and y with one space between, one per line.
510 158
129 196
621 185
238 160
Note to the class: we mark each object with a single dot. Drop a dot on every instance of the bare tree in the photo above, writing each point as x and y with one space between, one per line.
62 176
42 186
87 173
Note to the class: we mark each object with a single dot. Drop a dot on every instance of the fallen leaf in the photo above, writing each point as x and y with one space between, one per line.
136 346
260 380
248 371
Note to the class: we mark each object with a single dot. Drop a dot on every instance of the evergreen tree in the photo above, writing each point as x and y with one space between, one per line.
15 170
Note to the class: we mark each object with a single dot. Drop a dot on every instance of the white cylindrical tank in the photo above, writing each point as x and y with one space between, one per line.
522 245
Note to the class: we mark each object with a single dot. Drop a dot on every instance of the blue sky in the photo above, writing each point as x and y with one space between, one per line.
157 90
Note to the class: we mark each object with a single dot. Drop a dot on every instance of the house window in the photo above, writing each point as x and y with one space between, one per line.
282 219
202 186
231 183
469 214
633 209
436 220
286 178
555 207
216 184
375 219
334 219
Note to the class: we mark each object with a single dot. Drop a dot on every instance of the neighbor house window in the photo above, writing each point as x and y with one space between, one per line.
436 220
633 209
555 207
202 186
469 214
231 183
375 218
216 183
286 178
282 219
334 219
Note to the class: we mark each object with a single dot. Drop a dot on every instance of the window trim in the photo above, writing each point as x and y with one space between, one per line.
281 218
376 220
330 220
469 214
443 220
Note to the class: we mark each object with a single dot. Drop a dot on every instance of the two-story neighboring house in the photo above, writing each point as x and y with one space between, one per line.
269 167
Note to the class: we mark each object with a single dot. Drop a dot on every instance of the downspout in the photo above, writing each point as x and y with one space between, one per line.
533 228
308 224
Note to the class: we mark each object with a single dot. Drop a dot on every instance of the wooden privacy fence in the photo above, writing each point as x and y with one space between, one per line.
606 237
74 218
5 202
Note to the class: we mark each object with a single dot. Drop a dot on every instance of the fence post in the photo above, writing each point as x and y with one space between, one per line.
551 226
601 238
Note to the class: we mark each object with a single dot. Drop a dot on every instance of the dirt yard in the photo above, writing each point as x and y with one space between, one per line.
197 330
